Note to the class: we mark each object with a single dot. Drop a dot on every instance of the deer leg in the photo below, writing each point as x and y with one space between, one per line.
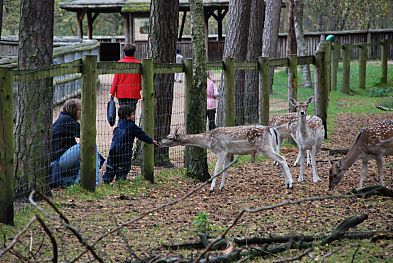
379 160
301 162
284 166
224 175
363 173
219 164
297 158
308 158
315 177
278 148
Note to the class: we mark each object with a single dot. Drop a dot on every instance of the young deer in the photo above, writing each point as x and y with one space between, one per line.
228 141
372 142
286 126
309 136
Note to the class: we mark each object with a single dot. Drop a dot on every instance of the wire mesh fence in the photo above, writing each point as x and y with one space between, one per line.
40 98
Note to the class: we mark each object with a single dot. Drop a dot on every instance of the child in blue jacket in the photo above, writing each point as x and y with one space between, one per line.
120 152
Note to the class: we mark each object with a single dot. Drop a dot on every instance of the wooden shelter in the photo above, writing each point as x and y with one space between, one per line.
136 15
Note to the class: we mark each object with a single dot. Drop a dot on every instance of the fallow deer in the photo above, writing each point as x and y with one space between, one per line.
286 126
228 141
309 136
372 142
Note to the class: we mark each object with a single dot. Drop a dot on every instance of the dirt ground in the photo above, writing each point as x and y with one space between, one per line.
249 185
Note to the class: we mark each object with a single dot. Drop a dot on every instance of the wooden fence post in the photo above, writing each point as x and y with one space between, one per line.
229 70
384 61
321 91
264 93
362 66
188 87
346 69
292 80
148 120
370 47
88 124
328 48
6 147
335 57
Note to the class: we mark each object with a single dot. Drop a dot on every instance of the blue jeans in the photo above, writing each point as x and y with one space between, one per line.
65 171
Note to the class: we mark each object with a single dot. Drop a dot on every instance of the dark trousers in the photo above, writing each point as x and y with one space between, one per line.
211 116
131 102
120 172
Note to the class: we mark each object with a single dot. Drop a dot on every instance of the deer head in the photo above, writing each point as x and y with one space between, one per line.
300 106
171 139
335 174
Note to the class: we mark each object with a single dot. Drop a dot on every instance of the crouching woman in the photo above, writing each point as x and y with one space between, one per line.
120 153
65 156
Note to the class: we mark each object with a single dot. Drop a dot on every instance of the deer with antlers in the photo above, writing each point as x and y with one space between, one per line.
372 142
309 136
228 141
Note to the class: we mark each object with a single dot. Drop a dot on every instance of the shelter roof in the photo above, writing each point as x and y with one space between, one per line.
128 5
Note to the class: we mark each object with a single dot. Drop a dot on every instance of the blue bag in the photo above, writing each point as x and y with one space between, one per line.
111 111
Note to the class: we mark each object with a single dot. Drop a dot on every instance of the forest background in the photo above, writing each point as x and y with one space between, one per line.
319 15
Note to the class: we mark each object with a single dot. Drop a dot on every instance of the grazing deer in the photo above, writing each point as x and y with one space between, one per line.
372 142
228 141
309 136
286 126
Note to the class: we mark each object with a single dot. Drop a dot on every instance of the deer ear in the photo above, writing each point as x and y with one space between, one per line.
309 100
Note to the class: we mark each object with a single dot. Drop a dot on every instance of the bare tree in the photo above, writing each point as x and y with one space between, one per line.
236 47
33 100
196 158
270 31
301 43
254 50
162 49
1 16
291 50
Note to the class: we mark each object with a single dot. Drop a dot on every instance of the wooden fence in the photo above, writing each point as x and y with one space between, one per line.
312 39
89 68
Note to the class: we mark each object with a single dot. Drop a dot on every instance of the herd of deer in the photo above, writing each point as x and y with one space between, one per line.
308 132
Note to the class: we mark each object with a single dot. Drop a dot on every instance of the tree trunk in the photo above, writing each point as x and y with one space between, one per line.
236 47
251 86
33 100
162 49
196 158
291 50
270 32
301 43
1 16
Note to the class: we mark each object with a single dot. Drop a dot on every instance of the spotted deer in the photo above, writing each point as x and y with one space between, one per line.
286 126
228 141
309 136
372 142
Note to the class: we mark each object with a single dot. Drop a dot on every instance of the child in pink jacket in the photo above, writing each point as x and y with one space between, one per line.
212 94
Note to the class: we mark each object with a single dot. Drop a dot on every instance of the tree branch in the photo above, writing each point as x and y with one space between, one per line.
64 220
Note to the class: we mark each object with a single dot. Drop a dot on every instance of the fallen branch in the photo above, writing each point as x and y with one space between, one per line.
343 227
338 151
173 202
67 224
373 190
16 238
51 237
264 208
299 257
